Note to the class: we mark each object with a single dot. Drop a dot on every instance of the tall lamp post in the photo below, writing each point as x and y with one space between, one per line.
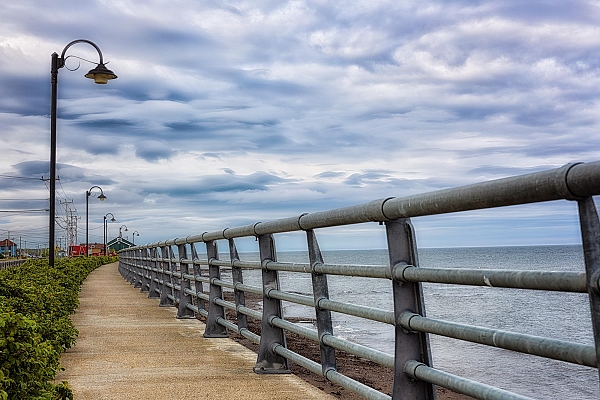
112 219
100 75
133 236
120 232
101 197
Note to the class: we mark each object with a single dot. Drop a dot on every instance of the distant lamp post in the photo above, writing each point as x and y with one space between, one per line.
100 75
101 197
112 219
133 236
120 232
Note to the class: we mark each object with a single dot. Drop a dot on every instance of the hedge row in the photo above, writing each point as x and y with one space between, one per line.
35 328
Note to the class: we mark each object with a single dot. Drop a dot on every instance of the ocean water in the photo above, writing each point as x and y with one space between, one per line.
563 316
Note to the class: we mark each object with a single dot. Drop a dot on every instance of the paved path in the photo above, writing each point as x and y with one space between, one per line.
130 348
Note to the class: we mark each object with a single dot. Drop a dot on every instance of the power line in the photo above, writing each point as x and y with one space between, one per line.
24 199
20 177
25 211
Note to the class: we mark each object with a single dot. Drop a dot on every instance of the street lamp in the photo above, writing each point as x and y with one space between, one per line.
112 219
121 233
101 197
100 75
133 236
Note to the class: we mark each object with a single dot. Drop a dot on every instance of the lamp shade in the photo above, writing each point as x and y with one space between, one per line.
102 197
101 74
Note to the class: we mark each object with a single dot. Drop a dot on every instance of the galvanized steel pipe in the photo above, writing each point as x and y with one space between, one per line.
564 281
420 371
529 344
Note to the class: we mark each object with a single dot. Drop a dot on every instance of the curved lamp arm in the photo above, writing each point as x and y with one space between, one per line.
101 197
112 217
62 56
100 74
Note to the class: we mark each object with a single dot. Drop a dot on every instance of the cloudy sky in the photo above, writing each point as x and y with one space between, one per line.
226 113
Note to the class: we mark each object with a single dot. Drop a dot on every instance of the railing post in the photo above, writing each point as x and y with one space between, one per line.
198 287
590 234
127 260
122 267
167 277
240 298
175 280
131 265
145 271
154 274
134 267
321 292
213 329
402 249
184 298
139 269
268 362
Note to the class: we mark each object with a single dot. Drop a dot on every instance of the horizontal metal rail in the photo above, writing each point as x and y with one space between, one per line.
331 375
372 313
11 263
563 281
535 345
417 370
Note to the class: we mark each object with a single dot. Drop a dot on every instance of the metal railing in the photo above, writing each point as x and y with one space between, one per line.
194 285
10 263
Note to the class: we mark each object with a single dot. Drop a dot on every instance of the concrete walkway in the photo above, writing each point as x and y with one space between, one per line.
130 348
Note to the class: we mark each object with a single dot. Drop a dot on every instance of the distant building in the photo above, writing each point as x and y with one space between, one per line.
8 248
119 243
96 249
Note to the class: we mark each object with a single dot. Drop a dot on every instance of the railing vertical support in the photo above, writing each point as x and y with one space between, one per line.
590 234
268 362
167 277
132 267
175 268
122 260
184 298
145 269
197 284
154 273
320 292
213 329
402 249
240 298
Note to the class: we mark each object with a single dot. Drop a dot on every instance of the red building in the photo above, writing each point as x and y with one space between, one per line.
96 249
8 248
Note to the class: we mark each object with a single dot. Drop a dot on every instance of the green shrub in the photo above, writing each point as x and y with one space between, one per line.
35 328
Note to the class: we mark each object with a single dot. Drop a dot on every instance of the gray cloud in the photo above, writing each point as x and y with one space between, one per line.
152 151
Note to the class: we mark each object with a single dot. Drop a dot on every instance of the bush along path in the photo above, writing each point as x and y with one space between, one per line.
35 328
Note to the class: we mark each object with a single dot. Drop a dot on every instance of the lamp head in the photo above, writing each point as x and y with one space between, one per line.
101 74
113 219
102 197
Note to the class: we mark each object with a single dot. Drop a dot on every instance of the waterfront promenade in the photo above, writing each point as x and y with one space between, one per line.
129 348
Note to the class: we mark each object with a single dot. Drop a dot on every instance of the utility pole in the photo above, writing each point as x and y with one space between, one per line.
68 222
